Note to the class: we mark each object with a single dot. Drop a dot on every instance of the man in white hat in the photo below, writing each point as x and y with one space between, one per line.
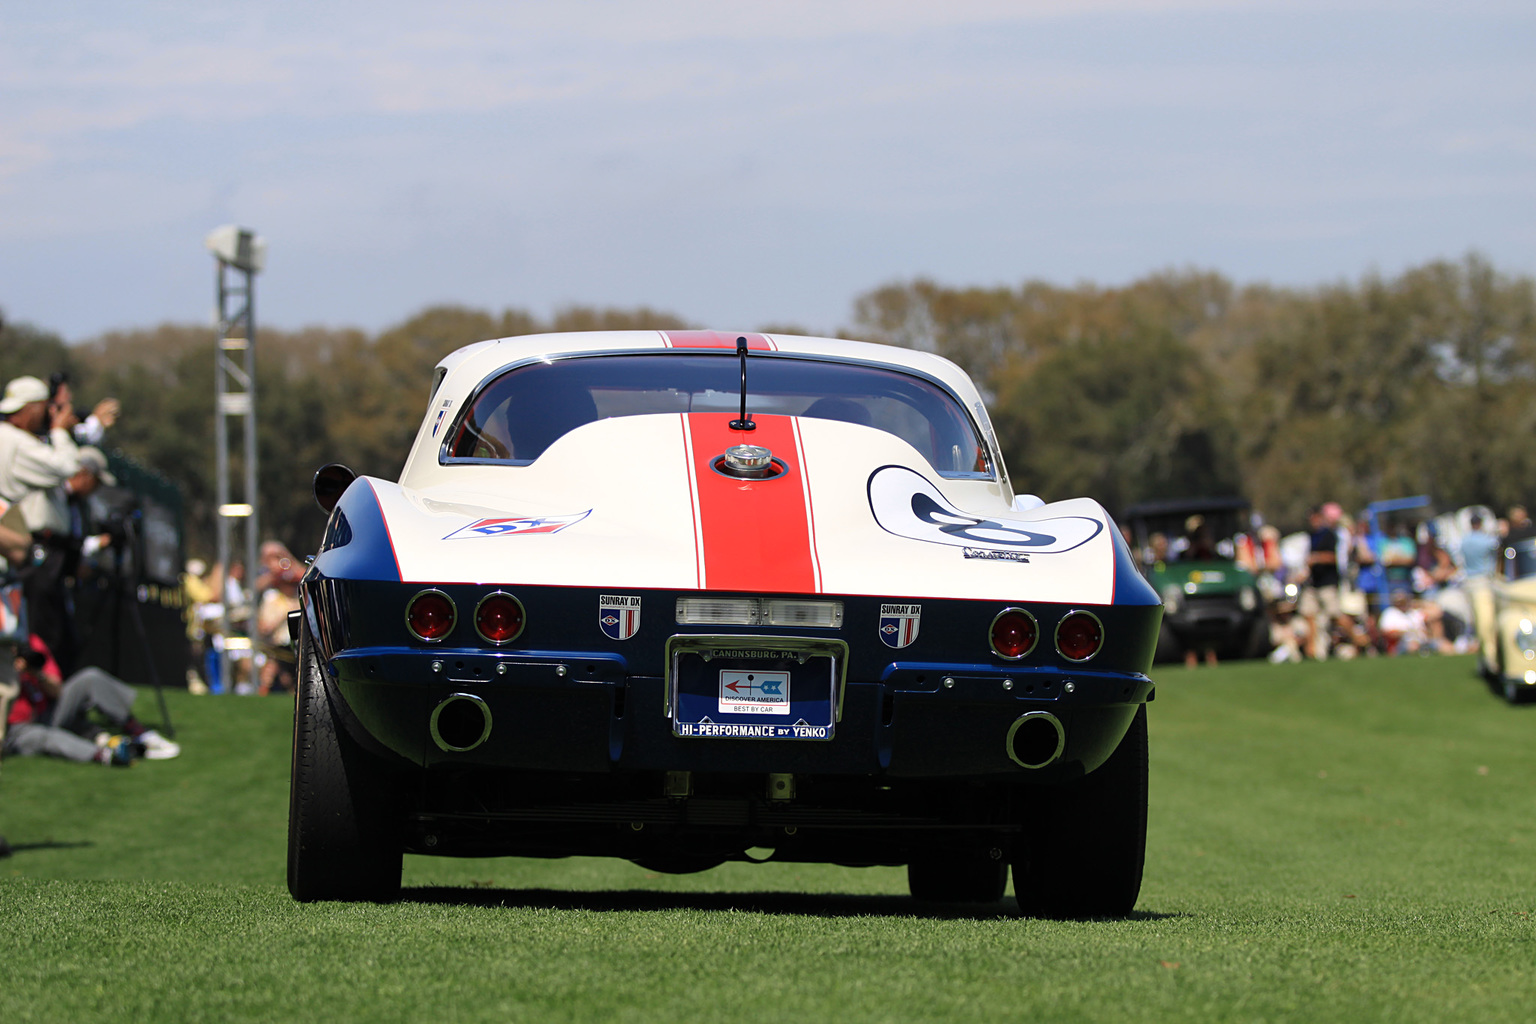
26 462
29 460
29 470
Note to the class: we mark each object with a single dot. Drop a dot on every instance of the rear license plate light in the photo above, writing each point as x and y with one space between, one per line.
719 611
822 614
758 611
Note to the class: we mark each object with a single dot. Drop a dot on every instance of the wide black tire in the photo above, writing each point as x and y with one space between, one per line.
1169 646
1084 843
677 864
970 876
342 839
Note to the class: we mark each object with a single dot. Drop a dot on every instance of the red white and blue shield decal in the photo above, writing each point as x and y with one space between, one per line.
618 615
898 623
521 525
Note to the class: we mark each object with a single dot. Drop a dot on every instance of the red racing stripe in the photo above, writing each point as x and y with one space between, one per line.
755 534
718 339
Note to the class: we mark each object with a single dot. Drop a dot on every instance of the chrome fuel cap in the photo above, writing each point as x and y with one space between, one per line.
748 462
748 459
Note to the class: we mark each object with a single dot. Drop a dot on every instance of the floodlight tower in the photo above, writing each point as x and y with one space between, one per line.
239 254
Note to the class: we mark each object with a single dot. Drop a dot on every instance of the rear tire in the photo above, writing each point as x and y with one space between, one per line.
971 876
1085 842
1491 671
668 864
342 843
1169 648
1505 685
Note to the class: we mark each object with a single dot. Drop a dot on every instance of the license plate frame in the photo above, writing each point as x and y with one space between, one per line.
702 704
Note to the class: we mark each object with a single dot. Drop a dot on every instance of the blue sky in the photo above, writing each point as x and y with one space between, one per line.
743 163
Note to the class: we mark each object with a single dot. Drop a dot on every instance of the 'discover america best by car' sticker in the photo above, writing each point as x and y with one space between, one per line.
618 615
754 693
899 623
905 503
516 525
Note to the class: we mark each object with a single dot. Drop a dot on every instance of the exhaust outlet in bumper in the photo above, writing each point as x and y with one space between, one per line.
1036 739
461 722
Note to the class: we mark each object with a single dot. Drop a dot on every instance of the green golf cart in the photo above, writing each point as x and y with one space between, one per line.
1188 549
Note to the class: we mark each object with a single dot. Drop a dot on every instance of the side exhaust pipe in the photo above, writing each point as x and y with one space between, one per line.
1036 739
461 722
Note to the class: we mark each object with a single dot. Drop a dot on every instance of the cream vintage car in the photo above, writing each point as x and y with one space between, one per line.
1508 648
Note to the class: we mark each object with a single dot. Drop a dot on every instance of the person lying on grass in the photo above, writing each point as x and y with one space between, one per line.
53 716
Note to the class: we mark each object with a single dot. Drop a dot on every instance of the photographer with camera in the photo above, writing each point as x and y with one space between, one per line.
32 472
27 461
93 423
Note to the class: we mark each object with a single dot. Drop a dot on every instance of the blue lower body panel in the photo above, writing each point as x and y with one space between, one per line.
576 712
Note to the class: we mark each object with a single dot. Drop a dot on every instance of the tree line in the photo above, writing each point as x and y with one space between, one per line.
1179 384
1184 384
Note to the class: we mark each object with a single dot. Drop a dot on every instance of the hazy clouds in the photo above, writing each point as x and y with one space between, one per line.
741 163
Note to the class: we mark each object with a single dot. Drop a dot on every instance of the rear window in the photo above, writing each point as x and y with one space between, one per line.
520 413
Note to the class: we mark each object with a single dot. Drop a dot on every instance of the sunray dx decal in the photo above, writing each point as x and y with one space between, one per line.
618 615
906 504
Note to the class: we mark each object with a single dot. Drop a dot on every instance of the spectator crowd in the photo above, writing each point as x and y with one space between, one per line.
253 641
1377 584
49 467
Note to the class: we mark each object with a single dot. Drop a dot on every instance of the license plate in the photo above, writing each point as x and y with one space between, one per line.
762 693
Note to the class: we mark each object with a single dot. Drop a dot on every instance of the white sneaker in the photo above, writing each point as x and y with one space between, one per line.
157 747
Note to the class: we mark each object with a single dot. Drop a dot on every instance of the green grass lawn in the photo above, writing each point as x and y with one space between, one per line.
1336 842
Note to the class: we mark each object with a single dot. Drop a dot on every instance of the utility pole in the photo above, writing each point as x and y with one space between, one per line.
239 255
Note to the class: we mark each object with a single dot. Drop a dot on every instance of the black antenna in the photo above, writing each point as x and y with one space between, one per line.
745 422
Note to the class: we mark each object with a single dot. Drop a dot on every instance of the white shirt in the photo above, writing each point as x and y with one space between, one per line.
27 465
1409 623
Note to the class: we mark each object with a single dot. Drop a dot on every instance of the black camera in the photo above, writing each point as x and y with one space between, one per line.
56 380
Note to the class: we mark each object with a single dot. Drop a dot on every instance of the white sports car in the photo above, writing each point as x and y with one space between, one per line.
674 596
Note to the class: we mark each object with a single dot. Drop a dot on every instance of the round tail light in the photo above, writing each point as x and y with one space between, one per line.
499 618
1014 633
430 615
1079 636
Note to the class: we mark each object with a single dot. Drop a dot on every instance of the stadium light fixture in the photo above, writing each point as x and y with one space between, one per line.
240 247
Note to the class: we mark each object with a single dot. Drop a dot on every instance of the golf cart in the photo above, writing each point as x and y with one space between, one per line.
1188 549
